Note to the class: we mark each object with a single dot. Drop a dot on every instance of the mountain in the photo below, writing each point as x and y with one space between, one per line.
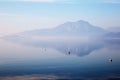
69 28
113 35
66 30
78 28
113 29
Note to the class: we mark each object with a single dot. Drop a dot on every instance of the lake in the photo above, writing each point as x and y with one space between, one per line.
60 60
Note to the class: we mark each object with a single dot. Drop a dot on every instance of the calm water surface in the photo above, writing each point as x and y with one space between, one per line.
71 59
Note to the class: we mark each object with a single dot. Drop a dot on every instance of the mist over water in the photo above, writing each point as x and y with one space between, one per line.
63 58
59 39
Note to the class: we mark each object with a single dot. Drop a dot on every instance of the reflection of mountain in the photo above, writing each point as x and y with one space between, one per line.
79 48
75 47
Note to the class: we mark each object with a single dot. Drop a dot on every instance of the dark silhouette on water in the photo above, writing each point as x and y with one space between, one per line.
69 52
110 60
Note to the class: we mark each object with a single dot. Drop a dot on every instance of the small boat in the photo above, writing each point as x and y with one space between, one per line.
110 60
68 52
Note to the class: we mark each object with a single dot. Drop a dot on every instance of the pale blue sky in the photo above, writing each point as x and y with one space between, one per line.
21 15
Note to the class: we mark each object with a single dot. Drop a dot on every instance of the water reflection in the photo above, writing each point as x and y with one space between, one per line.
71 47
43 57
79 47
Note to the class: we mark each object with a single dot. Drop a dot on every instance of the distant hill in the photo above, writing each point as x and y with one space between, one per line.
69 28
115 35
113 29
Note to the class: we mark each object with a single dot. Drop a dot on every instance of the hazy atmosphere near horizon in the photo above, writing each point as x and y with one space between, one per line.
59 39
21 15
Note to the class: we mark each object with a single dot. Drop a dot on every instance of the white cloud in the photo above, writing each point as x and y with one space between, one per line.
47 1
39 0
30 0
65 1
8 15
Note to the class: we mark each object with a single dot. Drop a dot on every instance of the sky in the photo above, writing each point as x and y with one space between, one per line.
23 15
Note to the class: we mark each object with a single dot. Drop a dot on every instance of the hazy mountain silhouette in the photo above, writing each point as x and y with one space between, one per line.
69 28
114 29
